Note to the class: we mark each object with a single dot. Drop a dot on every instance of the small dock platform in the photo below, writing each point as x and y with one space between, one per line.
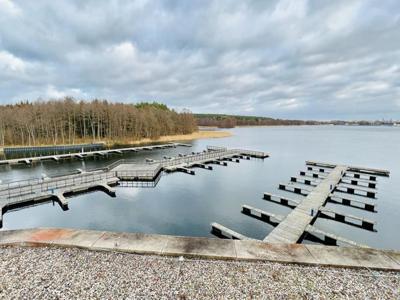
224 232
293 226
320 184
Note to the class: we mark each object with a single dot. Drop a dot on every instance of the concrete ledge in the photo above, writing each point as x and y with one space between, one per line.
348 256
205 247
131 242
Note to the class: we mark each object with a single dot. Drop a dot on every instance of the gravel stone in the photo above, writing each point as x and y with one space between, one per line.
71 273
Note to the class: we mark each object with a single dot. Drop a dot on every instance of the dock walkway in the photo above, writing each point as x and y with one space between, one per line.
294 225
327 183
83 155
29 192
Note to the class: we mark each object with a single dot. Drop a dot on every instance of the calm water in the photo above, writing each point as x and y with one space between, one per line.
186 205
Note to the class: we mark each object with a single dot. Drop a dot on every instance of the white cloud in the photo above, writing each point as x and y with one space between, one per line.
9 7
290 9
288 104
283 58
51 92
124 51
11 63
343 17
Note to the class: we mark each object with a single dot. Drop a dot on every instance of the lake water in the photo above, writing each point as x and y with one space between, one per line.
186 205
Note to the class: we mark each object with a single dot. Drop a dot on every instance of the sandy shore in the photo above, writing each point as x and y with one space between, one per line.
202 134
71 273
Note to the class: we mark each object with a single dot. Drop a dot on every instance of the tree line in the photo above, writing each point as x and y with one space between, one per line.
69 121
230 121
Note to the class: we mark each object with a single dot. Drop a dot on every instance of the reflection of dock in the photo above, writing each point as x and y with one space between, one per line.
318 189
83 155
123 172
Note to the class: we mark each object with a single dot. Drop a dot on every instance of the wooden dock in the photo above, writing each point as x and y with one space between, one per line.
51 149
224 232
83 155
320 185
361 170
291 229
29 192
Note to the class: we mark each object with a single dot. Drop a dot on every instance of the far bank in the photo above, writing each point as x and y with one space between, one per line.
201 134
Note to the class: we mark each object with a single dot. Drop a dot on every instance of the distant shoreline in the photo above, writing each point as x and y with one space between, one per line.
298 125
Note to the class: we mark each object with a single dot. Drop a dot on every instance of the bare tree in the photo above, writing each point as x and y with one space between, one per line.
68 121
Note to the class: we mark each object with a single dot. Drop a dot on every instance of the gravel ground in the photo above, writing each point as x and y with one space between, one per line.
68 273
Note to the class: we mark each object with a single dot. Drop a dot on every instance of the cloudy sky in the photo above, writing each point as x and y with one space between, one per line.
289 58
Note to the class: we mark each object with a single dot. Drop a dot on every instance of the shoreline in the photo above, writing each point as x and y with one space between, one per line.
201 134
204 248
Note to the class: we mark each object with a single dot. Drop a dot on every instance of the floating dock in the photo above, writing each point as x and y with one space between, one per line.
319 185
83 155
43 150
123 172
293 226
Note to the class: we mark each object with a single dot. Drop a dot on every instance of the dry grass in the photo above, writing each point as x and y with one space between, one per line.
202 134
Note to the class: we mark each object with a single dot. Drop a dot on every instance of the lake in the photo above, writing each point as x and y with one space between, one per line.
186 205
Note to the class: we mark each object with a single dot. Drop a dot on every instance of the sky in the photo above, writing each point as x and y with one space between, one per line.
291 59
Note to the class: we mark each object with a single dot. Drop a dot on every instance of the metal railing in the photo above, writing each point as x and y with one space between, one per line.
51 185
195 158
115 164
138 174
141 184
216 148
57 149
32 186
37 186
250 152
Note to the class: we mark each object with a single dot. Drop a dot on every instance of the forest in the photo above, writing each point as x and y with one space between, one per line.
230 121
69 121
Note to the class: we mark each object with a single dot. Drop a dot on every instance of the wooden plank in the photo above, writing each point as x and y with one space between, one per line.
315 231
222 231
281 200
294 189
314 175
378 172
348 218
261 214
359 182
365 205
355 191
304 181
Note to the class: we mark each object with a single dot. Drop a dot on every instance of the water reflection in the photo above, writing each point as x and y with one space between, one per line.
186 205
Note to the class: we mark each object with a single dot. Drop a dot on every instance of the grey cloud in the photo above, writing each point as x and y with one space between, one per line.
288 58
